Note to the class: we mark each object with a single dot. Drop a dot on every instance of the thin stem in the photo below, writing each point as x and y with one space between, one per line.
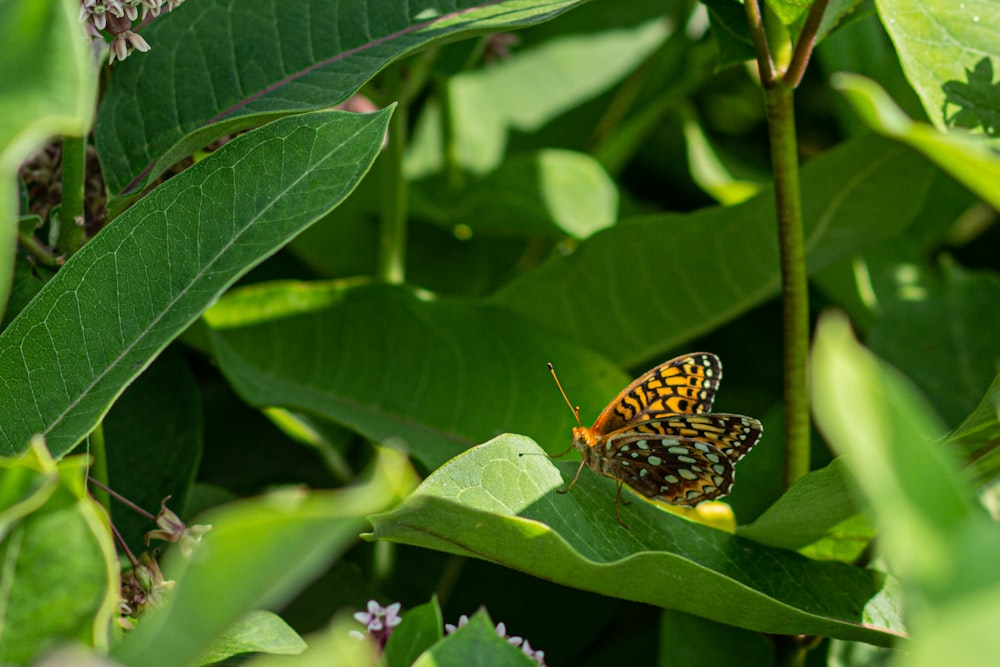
99 469
804 47
794 288
788 651
764 62
120 498
71 210
392 234
37 249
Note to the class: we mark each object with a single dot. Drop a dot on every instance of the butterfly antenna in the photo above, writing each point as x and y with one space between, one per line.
576 410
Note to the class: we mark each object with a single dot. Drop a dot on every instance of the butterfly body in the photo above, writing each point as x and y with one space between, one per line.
659 437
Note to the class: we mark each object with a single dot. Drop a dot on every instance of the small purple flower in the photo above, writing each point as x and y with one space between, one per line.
378 620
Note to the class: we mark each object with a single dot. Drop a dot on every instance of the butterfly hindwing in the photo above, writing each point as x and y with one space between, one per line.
678 470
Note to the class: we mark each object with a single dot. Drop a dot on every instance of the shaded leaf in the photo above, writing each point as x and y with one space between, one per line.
441 374
267 61
259 553
646 285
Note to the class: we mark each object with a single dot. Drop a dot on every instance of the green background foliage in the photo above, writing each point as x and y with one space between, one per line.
596 194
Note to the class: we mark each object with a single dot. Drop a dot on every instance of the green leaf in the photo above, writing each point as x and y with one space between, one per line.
947 50
647 285
266 62
257 632
967 158
421 627
871 415
499 502
691 640
978 437
942 332
475 643
259 553
731 32
60 571
930 532
133 288
441 374
153 441
332 646
489 104
48 84
793 13
809 511
549 192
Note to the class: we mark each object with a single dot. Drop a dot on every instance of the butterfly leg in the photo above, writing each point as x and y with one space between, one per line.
618 500
575 477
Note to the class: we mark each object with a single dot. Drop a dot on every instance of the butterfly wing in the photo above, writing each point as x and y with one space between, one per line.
732 435
683 385
683 460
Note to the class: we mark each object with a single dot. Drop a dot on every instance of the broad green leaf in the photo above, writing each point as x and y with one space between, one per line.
978 437
219 66
692 640
967 158
647 285
420 628
870 414
549 192
942 331
499 502
930 532
442 374
133 288
47 87
332 646
948 50
475 643
153 440
809 511
526 91
60 571
257 632
259 553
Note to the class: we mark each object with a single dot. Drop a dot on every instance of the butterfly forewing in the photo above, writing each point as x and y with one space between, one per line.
683 385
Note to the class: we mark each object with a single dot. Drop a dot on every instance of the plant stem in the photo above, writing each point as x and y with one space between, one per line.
74 152
391 266
99 469
780 100
794 286
804 47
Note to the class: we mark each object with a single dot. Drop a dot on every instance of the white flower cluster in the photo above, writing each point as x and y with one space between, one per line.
520 642
116 17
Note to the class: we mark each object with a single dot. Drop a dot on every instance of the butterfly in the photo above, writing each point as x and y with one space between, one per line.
659 437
